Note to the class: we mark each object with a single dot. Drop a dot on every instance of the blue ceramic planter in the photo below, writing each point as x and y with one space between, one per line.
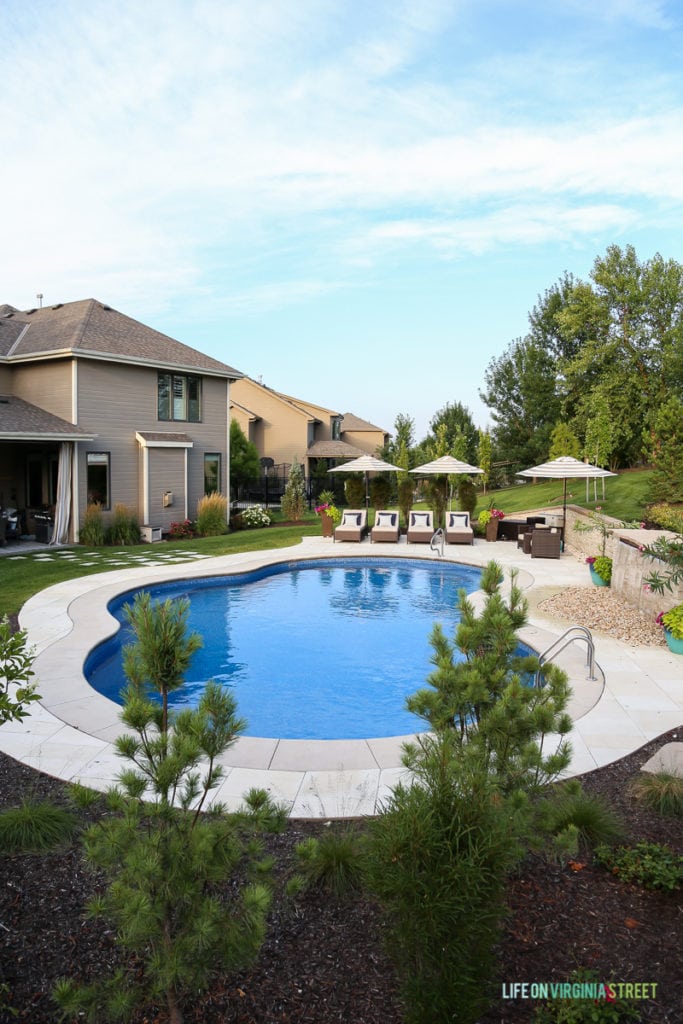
597 579
674 645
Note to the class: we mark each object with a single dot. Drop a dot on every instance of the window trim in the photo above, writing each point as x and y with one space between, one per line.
106 461
189 383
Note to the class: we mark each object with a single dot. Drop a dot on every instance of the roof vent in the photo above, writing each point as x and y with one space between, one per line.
106 307
58 306
6 316
29 312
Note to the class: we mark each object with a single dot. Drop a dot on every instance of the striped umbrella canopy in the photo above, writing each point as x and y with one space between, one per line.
446 464
366 464
566 467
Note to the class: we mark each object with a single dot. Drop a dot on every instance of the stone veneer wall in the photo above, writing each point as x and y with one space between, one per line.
629 567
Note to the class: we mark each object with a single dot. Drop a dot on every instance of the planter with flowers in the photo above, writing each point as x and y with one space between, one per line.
330 516
489 519
672 621
600 569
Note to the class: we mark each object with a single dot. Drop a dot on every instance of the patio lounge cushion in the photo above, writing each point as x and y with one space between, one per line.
351 519
420 518
386 519
458 519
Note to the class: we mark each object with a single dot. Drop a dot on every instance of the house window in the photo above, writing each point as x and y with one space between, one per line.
212 473
336 428
97 478
179 397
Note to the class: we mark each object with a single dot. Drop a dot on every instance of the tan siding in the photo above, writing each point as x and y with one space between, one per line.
282 432
5 380
47 385
368 440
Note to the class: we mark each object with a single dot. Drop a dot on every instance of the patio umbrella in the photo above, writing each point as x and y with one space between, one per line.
566 467
366 464
445 465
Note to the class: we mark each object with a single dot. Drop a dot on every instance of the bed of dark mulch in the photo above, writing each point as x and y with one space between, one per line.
323 961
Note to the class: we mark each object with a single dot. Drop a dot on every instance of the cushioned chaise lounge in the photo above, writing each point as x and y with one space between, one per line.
386 529
458 529
354 525
420 527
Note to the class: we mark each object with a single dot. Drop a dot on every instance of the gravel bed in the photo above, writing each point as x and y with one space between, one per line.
599 609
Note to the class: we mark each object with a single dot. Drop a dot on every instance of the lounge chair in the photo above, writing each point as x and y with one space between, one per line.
354 525
458 529
546 544
386 528
420 527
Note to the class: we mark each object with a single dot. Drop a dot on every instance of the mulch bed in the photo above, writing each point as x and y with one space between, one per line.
323 960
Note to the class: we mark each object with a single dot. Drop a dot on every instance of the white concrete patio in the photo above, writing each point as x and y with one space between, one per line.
70 733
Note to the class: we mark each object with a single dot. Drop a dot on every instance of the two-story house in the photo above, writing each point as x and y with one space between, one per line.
97 407
285 429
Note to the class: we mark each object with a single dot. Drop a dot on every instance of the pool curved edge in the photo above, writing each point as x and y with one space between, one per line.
71 732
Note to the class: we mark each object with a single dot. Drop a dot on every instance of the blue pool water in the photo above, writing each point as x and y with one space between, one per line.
312 650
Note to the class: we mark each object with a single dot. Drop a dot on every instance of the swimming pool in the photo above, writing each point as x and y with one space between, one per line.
324 649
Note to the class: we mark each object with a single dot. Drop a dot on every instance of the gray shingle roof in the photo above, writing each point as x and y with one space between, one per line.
351 422
333 450
22 421
92 329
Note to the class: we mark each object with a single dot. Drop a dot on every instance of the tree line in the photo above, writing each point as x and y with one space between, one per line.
598 375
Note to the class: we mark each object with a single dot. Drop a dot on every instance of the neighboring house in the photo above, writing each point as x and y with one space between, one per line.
285 429
97 407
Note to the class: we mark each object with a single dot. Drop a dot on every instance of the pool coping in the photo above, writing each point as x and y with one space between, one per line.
71 733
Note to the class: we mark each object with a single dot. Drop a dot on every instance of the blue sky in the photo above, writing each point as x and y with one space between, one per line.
357 202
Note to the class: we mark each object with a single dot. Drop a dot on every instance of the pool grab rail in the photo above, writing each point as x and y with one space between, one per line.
568 637
437 542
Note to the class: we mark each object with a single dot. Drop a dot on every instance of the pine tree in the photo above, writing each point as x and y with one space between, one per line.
498 721
163 857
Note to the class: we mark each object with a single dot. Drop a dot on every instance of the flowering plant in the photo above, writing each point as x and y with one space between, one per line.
672 621
497 513
488 514
331 510
602 566
255 516
180 531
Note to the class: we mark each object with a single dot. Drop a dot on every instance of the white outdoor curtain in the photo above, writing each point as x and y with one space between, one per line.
60 533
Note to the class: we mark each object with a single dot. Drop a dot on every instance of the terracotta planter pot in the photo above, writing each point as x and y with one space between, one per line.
327 524
492 530
675 645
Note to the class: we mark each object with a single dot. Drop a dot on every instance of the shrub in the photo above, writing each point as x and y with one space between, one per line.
406 496
35 825
124 528
354 491
603 567
567 806
164 859
380 492
668 517
467 495
16 660
672 621
294 499
92 528
254 516
183 530
333 862
212 515
437 861
648 864
661 792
